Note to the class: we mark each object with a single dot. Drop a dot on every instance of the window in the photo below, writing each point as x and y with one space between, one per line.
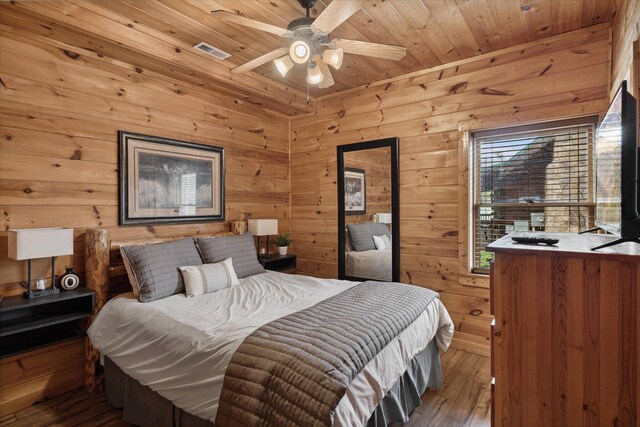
530 178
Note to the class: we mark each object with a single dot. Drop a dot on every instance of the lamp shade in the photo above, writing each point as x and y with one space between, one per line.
283 64
333 57
383 218
299 52
263 227
314 75
35 243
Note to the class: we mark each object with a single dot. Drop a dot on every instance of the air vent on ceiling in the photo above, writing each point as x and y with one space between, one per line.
213 51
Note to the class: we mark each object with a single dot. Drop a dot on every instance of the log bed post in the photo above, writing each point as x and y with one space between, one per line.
238 227
97 268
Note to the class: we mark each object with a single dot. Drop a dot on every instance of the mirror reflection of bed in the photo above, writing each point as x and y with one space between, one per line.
368 219
374 263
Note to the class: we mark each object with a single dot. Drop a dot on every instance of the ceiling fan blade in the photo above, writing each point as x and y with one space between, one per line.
377 50
260 60
324 69
252 23
335 14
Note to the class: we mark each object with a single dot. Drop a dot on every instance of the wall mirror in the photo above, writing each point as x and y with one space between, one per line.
368 211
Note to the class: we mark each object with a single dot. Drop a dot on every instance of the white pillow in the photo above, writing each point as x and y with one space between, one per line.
207 278
387 241
383 243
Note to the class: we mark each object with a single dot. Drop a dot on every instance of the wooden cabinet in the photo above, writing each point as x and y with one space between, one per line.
42 347
34 376
27 324
565 340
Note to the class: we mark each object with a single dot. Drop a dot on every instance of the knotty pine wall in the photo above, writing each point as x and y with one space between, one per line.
559 77
376 164
625 28
60 109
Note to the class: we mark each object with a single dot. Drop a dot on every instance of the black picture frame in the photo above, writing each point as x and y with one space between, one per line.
166 146
360 174
392 143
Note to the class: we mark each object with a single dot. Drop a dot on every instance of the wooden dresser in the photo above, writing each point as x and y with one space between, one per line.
564 349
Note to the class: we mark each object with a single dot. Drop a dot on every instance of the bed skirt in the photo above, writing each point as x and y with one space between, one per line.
144 407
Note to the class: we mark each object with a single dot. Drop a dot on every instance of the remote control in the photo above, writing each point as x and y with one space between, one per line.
534 238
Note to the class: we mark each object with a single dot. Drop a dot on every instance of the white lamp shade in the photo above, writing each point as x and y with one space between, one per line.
333 57
35 243
299 52
383 218
314 75
283 64
263 227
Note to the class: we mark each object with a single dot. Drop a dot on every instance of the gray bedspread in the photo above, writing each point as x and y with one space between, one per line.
294 371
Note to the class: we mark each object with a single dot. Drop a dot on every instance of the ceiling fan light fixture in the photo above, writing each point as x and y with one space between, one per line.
283 65
299 52
314 75
333 57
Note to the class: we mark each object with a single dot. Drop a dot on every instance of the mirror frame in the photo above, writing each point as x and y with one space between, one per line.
395 205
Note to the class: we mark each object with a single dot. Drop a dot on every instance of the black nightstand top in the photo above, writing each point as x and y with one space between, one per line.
18 302
279 262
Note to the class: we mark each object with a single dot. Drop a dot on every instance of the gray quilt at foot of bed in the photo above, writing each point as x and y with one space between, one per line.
294 370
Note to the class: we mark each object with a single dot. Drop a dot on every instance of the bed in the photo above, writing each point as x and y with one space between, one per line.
363 258
372 264
165 361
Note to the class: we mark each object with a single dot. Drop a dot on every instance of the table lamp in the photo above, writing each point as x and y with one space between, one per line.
263 227
37 243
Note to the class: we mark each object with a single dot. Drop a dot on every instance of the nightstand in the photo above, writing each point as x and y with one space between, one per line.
26 324
279 262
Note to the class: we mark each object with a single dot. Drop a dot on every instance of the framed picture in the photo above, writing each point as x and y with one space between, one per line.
355 191
163 180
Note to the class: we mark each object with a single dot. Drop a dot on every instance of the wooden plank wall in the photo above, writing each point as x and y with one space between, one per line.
60 109
558 77
377 166
625 29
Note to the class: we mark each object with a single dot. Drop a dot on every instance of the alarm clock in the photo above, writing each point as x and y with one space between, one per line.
69 280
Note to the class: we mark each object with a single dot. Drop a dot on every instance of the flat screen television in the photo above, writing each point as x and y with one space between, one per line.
617 159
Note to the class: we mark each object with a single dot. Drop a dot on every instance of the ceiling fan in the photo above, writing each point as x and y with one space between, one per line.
309 41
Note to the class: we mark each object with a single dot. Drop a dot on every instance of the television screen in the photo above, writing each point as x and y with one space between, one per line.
608 156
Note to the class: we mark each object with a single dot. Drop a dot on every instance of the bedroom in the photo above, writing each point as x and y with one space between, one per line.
76 73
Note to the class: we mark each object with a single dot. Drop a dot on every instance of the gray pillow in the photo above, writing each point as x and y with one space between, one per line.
362 235
241 249
155 267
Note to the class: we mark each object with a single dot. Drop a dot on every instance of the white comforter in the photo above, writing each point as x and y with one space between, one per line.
374 265
180 347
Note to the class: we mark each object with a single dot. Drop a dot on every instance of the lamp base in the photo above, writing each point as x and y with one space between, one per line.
40 294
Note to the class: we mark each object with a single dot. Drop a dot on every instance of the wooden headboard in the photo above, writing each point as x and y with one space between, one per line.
107 277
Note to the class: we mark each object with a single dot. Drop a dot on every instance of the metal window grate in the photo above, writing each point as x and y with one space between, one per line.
531 178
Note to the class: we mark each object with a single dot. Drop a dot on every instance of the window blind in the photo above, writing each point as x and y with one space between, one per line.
531 178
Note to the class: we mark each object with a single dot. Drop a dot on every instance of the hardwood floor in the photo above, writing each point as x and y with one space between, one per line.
463 400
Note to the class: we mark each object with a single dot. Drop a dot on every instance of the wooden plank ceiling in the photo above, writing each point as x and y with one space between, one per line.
159 35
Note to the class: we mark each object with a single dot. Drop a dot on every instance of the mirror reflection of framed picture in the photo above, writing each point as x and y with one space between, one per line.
355 191
164 180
